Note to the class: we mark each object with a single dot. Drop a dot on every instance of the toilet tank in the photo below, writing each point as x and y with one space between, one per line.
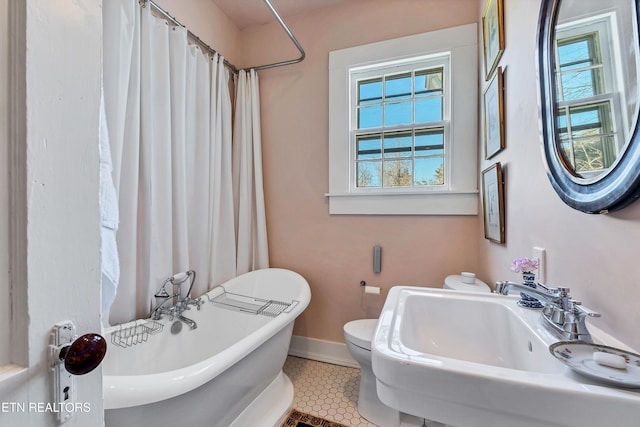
467 282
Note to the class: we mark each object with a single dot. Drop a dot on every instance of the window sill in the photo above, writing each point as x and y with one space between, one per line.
436 203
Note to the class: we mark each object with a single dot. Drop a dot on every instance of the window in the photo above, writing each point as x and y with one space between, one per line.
398 124
403 125
591 120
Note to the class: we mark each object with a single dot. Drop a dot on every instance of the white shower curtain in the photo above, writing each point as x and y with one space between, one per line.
169 117
251 224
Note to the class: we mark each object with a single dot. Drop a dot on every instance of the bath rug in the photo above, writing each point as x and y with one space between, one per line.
300 419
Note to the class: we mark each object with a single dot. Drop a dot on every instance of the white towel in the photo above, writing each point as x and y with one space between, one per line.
109 220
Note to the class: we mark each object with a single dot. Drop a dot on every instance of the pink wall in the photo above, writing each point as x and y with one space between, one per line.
204 19
334 253
595 255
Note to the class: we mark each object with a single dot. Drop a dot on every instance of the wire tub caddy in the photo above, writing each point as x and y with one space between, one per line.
247 304
127 336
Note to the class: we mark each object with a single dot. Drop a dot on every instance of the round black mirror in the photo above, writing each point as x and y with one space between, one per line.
589 101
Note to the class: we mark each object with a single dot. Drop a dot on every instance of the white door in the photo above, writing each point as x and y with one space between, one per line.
52 51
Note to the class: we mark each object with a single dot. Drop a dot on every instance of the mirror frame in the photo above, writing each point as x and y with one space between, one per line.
617 188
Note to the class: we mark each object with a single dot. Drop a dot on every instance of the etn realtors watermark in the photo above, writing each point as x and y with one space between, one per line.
45 407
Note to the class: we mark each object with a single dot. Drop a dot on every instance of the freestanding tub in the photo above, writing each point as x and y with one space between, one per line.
226 372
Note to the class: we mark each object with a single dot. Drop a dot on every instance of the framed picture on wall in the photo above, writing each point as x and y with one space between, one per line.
493 203
494 116
493 35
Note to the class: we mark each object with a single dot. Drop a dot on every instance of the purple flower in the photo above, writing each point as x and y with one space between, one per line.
524 265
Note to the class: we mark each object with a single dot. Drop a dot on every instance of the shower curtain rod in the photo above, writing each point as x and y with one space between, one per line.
212 51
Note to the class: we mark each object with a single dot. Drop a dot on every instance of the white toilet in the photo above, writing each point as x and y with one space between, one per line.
358 335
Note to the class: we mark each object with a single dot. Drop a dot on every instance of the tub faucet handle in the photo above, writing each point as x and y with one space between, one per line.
162 294
198 302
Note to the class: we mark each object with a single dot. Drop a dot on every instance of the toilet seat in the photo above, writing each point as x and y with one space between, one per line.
360 332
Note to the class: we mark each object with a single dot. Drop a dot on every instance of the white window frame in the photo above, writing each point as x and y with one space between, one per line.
460 195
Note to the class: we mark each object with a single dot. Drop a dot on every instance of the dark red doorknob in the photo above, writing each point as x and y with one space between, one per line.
84 354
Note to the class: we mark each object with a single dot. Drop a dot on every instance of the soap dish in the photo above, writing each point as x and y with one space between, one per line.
578 355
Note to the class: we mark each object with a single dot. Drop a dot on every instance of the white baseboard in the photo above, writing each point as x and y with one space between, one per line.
322 351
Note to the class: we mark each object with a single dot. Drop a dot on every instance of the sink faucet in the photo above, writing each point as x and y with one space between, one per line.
561 314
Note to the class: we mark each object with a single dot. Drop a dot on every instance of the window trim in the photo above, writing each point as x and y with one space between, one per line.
462 196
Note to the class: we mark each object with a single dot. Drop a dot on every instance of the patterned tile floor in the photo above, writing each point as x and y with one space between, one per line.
328 391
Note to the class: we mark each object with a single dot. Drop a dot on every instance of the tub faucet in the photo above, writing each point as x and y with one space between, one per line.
179 303
561 314
160 309
192 324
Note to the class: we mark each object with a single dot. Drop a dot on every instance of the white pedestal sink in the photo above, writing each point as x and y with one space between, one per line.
468 359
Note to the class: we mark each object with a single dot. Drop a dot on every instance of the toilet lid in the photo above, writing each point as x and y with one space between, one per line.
360 332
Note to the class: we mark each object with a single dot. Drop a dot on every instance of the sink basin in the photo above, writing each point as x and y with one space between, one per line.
481 331
468 359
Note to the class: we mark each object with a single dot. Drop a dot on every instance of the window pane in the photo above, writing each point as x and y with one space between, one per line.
589 120
397 173
429 142
370 117
582 84
581 117
429 171
580 67
590 145
593 153
574 54
369 174
368 147
370 91
562 122
397 144
397 113
428 82
397 87
428 110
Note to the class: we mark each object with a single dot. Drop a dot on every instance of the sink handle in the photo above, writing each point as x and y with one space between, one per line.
544 287
586 311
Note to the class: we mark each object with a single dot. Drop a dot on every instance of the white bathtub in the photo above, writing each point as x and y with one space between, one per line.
226 372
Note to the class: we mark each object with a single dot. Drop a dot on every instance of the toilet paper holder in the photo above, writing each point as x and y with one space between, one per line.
373 290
